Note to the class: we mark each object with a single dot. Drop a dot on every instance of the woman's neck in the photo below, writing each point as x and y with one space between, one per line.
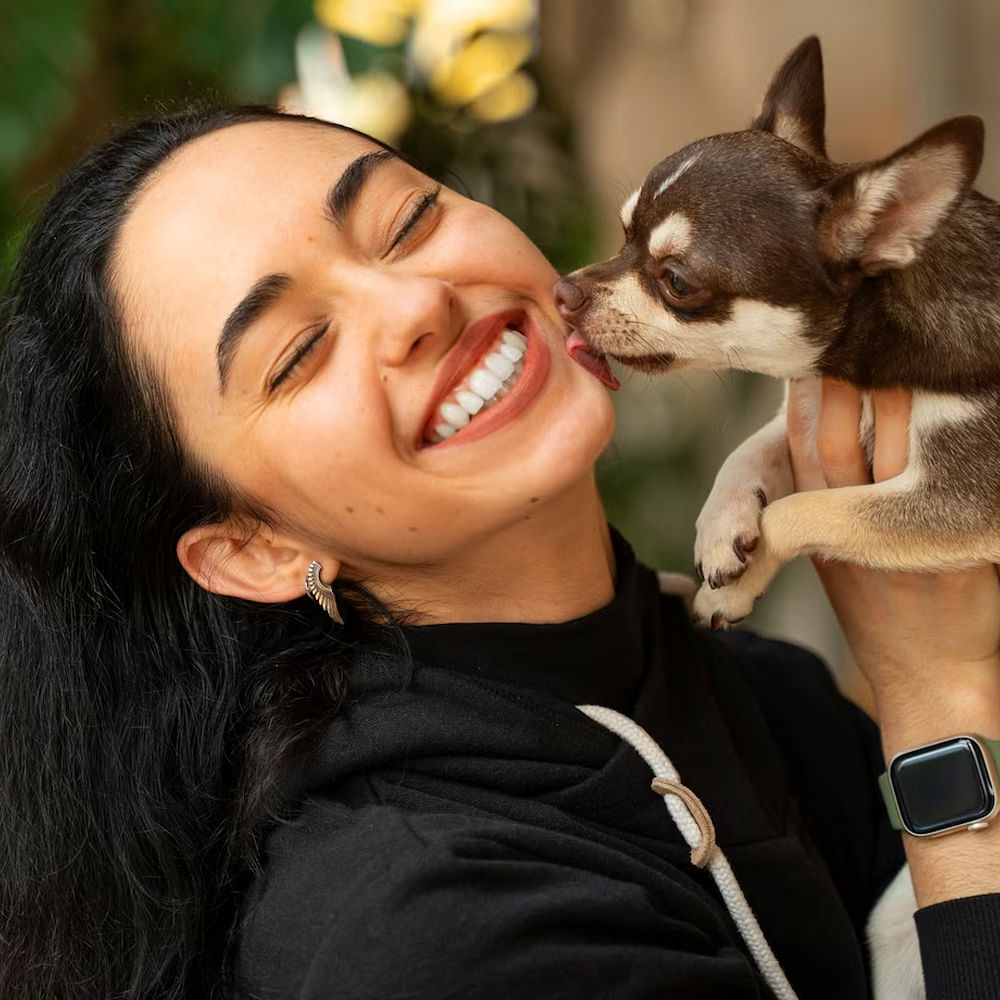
554 565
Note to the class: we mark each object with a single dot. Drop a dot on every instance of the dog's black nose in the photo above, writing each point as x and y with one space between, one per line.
570 297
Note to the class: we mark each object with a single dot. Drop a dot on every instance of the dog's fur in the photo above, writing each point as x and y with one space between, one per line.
752 250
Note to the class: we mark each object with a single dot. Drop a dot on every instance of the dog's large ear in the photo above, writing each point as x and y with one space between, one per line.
794 108
879 215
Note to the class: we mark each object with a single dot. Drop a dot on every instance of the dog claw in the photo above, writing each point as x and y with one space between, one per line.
699 573
717 620
761 496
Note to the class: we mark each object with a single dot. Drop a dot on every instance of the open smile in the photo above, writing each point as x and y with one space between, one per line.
498 367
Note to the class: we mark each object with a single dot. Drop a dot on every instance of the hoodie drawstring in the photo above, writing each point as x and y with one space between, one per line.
695 825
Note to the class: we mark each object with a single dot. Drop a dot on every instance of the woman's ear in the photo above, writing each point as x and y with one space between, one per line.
221 559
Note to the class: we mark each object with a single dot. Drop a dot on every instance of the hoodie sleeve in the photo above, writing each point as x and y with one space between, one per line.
960 948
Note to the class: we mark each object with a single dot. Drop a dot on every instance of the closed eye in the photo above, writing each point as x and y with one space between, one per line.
299 355
424 204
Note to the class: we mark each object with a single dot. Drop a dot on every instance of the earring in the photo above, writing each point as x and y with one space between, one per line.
322 593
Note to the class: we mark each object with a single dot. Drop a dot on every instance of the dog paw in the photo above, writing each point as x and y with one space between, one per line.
721 607
728 531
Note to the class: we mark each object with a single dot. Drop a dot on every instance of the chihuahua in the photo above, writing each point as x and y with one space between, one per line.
752 250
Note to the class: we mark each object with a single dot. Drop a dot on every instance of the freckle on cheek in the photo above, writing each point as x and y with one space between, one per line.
350 510
533 500
412 528
380 510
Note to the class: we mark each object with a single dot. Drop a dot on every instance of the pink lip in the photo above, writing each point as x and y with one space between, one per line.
474 343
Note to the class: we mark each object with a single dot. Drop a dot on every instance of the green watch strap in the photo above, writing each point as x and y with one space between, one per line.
885 787
890 801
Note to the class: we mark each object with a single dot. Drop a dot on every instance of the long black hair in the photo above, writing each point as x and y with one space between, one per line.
144 721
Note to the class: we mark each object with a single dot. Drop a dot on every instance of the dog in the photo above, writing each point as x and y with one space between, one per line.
752 250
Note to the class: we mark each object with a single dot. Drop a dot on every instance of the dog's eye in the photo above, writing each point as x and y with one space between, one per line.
676 283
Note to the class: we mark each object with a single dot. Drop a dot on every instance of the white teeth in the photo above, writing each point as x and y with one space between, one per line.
454 414
489 382
500 366
469 401
484 384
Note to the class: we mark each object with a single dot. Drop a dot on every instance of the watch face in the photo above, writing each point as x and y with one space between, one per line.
942 786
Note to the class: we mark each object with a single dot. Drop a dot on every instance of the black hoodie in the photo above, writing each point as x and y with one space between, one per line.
465 832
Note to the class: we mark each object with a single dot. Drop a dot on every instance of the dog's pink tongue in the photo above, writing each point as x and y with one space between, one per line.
579 350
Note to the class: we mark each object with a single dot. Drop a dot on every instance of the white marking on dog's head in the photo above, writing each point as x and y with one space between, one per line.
682 169
628 208
628 297
756 336
671 236
760 337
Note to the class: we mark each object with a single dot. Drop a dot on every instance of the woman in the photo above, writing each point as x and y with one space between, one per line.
237 355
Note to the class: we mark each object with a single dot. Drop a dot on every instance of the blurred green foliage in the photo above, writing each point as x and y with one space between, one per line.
69 69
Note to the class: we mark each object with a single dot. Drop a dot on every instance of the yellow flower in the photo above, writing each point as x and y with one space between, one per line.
379 22
482 65
444 26
510 99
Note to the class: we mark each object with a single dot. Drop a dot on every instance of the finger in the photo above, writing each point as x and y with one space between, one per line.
800 416
837 436
892 432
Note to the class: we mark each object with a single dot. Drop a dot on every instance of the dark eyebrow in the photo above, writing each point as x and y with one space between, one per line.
342 196
252 306
265 292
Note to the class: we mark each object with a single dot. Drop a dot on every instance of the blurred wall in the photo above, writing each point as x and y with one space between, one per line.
645 77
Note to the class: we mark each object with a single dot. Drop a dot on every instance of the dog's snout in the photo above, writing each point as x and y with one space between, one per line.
571 297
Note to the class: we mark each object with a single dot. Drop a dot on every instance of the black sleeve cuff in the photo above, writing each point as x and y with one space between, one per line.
960 948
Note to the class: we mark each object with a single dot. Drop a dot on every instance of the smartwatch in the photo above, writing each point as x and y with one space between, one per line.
945 786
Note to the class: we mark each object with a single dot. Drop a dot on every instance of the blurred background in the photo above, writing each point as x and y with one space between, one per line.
550 110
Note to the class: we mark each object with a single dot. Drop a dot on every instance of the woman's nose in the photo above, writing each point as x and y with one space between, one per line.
413 313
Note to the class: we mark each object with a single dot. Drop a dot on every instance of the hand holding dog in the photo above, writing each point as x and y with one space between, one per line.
906 630
927 642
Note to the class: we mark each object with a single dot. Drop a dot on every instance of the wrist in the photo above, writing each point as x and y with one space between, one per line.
956 698
961 699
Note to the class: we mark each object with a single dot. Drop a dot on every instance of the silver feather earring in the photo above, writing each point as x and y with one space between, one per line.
322 593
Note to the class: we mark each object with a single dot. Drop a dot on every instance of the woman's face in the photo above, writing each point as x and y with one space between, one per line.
322 314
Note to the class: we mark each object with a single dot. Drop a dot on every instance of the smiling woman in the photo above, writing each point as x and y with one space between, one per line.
249 357
377 302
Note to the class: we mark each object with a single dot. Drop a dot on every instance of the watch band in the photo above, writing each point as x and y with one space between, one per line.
889 799
991 747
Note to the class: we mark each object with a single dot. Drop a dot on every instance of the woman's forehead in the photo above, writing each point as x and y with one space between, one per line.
265 156
208 221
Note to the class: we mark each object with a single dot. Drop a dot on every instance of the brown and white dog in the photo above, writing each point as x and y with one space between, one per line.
752 250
